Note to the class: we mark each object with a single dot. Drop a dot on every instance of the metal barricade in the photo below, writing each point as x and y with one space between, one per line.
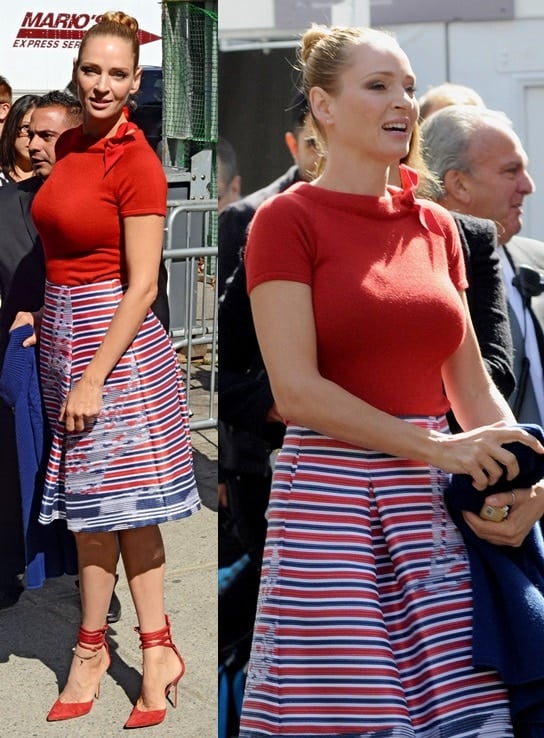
192 293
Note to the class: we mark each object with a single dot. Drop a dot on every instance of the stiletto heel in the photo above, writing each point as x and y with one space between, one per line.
90 640
145 718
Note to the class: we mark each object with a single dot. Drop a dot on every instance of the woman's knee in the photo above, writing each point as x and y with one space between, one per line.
96 544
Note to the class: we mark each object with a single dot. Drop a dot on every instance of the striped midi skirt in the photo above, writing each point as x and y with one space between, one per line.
364 623
133 466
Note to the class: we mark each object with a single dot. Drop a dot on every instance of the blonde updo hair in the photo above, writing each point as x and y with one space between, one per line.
324 54
115 23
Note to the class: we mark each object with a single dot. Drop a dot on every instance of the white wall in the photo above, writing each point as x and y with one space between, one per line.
426 47
246 19
529 9
504 62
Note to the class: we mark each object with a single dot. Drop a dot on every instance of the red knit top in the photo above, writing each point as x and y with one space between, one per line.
385 274
94 184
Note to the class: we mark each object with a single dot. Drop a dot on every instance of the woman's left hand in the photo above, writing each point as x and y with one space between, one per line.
526 508
82 405
32 319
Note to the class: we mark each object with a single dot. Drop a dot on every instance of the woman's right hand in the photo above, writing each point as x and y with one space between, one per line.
26 318
480 453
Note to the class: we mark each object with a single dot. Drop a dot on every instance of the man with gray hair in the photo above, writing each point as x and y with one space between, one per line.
448 93
482 171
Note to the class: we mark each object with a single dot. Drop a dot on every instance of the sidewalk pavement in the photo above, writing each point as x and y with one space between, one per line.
38 632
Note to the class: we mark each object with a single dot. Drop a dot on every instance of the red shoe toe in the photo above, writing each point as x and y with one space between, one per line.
144 719
66 710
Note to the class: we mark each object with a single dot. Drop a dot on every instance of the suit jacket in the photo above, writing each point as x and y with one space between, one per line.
486 297
22 269
234 221
530 252
245 396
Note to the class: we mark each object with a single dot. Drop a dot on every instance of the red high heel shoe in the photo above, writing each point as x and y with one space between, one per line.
145 718
90 640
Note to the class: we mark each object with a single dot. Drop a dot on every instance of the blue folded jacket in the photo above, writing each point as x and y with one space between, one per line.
49 549
508 588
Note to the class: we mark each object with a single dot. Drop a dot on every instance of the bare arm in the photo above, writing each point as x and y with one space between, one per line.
474 397
143 243
285 326
302 395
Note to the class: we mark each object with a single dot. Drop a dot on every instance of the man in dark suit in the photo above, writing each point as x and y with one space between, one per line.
482 168
249 428
22 268
21 287
486 298
22 275
244 453
234 219
21 255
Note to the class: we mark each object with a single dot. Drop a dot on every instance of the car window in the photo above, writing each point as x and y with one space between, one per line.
150 91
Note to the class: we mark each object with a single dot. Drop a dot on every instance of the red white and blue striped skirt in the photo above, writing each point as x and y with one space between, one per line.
364 620
133 466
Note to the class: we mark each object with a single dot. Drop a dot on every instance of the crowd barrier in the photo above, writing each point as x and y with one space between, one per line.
190 254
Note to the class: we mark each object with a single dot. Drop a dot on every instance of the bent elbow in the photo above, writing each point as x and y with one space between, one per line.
147 294
152 293
291 401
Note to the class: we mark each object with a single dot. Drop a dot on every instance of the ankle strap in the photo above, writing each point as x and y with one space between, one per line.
92 640
161 637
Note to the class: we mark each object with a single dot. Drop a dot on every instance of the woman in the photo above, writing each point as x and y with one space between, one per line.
357 291
121 460
15 164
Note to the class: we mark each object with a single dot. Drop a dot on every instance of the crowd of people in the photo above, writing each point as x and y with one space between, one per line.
398 238
81 302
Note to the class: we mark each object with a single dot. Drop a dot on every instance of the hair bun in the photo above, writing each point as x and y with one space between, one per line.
311 38
123 19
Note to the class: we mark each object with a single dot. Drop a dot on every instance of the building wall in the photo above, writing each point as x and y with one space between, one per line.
255 92
502 59
504 62
529 9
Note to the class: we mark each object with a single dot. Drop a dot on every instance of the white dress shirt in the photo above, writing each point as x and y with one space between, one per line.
527 327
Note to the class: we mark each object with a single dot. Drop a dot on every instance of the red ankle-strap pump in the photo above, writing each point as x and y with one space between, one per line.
88 640
162 637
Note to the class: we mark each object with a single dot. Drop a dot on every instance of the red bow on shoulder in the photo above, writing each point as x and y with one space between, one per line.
409 179
115 145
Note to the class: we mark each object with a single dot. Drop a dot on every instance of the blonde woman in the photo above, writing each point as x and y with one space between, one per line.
121 460
357 291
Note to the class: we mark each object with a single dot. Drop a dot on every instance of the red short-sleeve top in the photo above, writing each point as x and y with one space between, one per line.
94 185
385 275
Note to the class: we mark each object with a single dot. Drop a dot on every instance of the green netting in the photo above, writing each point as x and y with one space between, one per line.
190 76
189 31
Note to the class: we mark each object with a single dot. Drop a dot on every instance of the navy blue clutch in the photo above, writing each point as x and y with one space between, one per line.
461 495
